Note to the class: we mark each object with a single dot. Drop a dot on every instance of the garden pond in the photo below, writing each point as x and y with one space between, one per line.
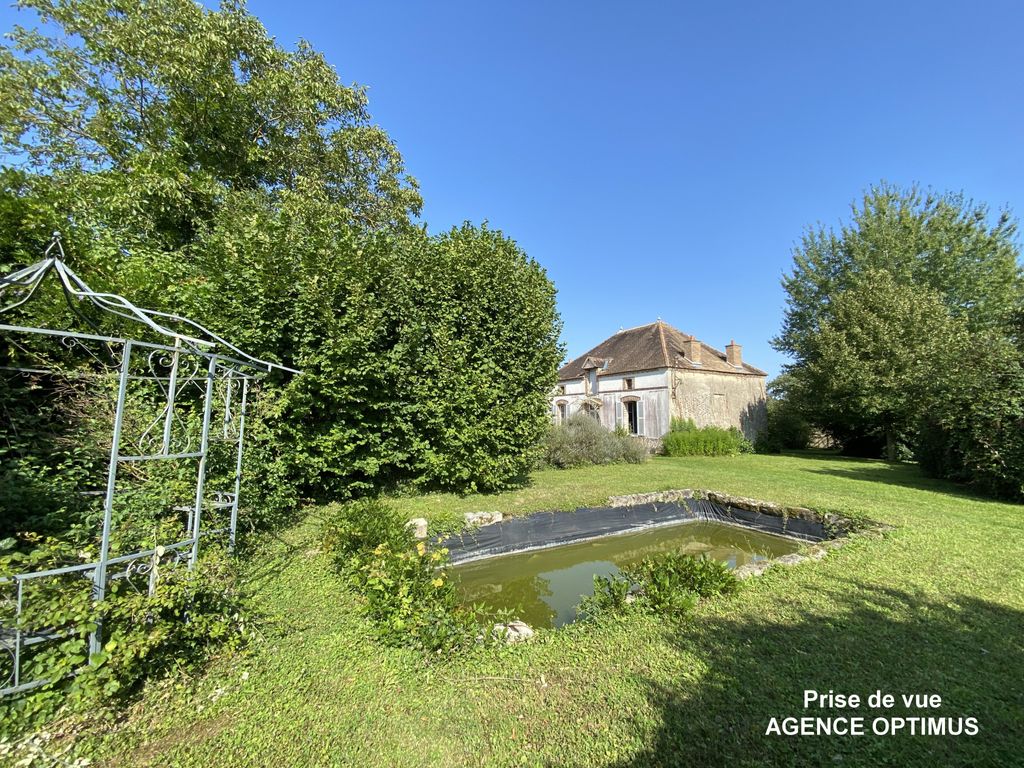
544 587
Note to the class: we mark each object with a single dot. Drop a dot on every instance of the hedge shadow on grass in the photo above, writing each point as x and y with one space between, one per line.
969 651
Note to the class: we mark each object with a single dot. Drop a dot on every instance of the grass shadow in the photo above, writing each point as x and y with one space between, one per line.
266 555
968 651
903 475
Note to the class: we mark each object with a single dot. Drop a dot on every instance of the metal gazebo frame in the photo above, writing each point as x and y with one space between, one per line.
185 355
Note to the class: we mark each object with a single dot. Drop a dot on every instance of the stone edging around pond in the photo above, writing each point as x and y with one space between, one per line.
841 528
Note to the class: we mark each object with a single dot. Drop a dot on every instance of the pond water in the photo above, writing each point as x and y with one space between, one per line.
544 587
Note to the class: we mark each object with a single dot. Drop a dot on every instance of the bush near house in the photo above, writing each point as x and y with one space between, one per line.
686 439
581 440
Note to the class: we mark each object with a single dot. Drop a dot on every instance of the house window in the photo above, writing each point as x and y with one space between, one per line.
593 411
561 389
630 415
563 412
627 383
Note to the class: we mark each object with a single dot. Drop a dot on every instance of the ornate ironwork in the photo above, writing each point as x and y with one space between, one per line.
182 368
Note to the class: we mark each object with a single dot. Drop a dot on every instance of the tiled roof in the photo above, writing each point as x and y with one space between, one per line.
646 348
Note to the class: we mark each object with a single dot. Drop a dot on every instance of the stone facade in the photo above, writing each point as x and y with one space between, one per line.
720 400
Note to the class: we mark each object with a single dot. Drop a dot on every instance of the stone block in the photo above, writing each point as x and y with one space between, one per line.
482 518
513 632
418 526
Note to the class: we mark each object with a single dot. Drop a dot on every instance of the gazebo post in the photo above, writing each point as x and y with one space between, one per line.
99 574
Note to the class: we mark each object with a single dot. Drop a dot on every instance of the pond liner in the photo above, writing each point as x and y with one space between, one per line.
552 529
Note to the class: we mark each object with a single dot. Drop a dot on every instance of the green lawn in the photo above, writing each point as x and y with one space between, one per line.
936 606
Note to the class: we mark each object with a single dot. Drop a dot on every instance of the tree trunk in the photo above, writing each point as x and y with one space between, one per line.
890 445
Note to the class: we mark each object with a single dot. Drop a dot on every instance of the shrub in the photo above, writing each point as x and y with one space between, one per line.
611 595
686 439
362 526
663 576
581 440
405 587
973 429
412 600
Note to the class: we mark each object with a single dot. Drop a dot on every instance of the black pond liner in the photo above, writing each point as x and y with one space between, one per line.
552 529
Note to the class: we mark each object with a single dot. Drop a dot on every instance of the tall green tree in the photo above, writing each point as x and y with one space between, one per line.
138 129
872 359
161 107
941 242
904 328
197 166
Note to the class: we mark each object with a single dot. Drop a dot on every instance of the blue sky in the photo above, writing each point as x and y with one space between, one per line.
661 159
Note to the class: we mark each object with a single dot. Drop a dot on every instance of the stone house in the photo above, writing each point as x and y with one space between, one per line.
642 378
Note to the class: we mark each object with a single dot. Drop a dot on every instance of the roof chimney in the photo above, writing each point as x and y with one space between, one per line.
691 350
733 354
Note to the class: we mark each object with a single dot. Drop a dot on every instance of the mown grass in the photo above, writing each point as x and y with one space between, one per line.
936 606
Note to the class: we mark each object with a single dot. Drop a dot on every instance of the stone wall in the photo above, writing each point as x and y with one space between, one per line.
720 400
